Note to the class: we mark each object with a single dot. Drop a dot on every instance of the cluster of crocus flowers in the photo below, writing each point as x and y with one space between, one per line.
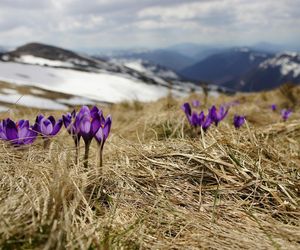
204 121
88 124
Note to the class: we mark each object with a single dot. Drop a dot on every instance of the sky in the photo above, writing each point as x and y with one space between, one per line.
121 24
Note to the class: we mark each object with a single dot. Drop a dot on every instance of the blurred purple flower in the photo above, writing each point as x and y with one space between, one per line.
68 121
238 121
195 119
19 133
102 135
285 114
192 117
217 115
196 103
274 107
47 127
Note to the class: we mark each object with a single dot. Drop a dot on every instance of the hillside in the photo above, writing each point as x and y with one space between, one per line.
165 57
163 185
225 66
283 67
60 70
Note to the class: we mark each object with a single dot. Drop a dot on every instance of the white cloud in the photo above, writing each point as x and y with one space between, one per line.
96 23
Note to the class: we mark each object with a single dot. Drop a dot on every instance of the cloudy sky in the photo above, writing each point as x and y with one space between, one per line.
148 23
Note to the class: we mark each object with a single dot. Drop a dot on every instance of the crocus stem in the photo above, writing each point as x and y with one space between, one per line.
100 157
76 141
46 143
76 154
86 154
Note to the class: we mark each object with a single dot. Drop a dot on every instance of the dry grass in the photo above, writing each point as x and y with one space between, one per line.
163 186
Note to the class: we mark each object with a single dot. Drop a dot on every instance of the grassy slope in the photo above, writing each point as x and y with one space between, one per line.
162 186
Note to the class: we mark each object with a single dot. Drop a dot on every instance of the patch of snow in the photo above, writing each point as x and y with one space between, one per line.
291 53
29 59
32 101
78 61
9 91
5 58
104 86
136 65
285 62
37 92
3 109
76 100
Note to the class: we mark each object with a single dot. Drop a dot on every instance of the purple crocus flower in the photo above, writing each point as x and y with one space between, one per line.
196 103
191 116
87 123
207 121
195 119
285 114
69 123
217 115
18 133
274 107
47 127
238 121
102 134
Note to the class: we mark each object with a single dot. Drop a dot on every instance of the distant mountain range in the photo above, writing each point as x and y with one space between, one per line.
164 57
185 66
245 69
225 66
282 68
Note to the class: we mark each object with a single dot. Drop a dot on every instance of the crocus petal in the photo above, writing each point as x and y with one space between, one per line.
99 136
194 119
23 129
187 109
201 118
31 136
94 111
46 127
11 130
52 120
67 119
96 124
39 118
57 127
107 126
196 103
3 130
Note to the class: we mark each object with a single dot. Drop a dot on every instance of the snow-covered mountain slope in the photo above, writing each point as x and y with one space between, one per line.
104 86
281 68
288 63
225 66
63 71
